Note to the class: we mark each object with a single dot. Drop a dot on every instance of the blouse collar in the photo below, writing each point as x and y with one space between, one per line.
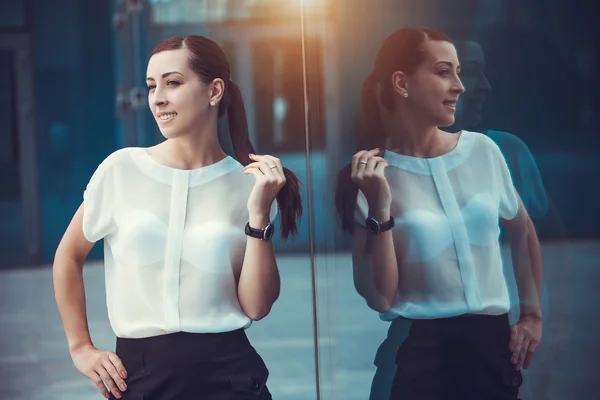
450 160
197 176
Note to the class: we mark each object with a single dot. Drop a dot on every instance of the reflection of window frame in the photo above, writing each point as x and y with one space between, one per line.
243 34
277 66
21 45
12 141
223 11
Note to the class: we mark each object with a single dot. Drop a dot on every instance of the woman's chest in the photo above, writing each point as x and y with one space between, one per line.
430 222
195 227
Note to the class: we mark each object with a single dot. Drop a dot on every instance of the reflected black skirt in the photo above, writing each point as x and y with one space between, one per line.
457 358
191 366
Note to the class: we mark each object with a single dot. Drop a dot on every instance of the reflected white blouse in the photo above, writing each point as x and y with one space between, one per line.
446 237
172 239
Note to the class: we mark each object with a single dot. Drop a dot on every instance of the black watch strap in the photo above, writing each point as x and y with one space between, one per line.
375 227
387 225
263 234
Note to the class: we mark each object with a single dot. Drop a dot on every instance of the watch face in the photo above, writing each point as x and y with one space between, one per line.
269 231
372 226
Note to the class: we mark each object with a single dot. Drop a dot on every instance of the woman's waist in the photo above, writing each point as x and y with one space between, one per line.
432 308
182 338
184 351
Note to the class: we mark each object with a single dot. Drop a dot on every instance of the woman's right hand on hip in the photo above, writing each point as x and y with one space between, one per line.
368 174
104 368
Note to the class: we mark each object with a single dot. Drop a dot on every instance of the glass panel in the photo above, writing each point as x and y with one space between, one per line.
279 95
263 43
526 84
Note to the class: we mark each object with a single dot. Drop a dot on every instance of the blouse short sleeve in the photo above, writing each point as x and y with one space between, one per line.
508 205
362 208
97 205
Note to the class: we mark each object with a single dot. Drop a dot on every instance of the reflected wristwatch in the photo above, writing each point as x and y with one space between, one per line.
262 234
375 227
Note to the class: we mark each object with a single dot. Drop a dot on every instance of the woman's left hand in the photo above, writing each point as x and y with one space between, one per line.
269 181
525 336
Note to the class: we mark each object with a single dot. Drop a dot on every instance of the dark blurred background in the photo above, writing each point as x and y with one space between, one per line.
72 91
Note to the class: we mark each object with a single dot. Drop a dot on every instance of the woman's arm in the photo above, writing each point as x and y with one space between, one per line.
375 266
67 275
527 261
259 282
373 257
526 334
104 368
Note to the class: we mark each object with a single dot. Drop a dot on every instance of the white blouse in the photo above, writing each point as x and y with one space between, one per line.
446 237
172 240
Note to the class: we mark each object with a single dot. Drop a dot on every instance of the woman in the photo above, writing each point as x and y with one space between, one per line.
528 183
186 231
424 222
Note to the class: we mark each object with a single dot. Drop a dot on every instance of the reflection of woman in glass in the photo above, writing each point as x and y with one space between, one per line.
528 183
184 278
525 173
424 226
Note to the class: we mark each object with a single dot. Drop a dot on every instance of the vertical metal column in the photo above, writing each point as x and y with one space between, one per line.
20 44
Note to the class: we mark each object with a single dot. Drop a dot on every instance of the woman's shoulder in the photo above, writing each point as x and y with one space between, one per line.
119 156
509 143
112 162
234 178
481 142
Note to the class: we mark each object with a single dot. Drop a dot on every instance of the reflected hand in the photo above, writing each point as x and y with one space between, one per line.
368 174
104 368
269 181
525 337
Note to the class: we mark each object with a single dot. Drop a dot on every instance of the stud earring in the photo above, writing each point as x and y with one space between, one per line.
405 94
212 103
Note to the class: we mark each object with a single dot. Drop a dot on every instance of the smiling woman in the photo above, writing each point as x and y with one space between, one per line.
424 217
187 229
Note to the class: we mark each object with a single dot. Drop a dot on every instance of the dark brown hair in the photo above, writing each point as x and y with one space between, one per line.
209 62
401 51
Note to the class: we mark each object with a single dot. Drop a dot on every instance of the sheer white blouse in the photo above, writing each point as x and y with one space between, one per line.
447 212
172 239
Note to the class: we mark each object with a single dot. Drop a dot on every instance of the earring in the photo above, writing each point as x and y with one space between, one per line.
212 103
405 95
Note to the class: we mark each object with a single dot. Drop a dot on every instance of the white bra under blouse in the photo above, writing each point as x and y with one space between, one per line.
172 240
447 212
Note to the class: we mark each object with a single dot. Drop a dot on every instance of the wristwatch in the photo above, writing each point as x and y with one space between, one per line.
263 234
375 227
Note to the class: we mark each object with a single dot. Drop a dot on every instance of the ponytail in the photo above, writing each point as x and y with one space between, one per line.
346 193
372 132
371 135
288 199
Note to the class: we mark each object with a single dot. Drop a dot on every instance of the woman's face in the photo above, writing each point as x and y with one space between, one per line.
433 89
177 97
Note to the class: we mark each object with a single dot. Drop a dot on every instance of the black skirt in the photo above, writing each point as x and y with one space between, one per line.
191 366
457 358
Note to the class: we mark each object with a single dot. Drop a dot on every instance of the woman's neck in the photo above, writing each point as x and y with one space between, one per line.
191 151
409 137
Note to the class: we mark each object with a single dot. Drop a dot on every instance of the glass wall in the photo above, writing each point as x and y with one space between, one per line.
72 91
264 45
528 74
527 69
